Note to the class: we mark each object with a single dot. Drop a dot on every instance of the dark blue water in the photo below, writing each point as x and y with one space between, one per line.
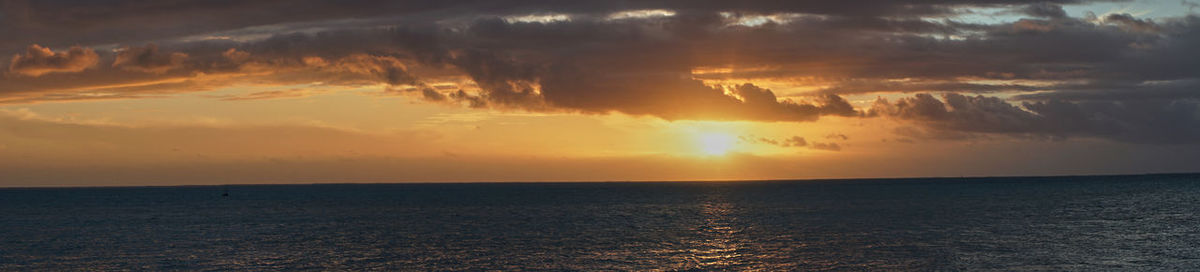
1067 223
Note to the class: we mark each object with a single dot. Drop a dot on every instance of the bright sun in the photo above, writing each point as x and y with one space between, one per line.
715 143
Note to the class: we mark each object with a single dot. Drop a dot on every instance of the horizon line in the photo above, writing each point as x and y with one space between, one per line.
609 181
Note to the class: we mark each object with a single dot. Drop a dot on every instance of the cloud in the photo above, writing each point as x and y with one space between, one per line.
1141 121
794 141
1118 90
385 69
959 112
290 93
1190 5
876 86
827 146
837 136
1046 10
674 97
148 59
109 22
644 65
39 60
1127 21
426 94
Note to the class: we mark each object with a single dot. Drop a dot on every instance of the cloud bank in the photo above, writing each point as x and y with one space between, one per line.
1038 73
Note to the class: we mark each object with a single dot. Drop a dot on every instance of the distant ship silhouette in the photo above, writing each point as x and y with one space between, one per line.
225 193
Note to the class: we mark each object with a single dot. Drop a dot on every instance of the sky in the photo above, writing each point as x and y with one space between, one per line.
124 92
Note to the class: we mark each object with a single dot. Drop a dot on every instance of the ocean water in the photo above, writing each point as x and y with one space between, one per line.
1147 222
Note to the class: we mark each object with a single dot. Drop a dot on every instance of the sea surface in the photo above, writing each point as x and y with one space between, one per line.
1147 222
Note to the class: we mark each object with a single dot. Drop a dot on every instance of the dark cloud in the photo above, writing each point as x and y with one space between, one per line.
1046 10
427 94
875 86
39 60
1119 90
123 21
148 59
431 95
589 63
1142 121
1127 21
470 100
676 96
959 112
505 81
386 69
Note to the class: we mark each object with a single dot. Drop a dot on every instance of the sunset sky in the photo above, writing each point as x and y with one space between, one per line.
97 93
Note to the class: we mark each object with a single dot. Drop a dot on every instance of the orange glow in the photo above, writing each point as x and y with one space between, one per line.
715 143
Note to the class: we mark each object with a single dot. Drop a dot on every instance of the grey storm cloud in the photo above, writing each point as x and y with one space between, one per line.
1118 77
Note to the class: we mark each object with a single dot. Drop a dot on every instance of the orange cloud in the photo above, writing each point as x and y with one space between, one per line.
39 60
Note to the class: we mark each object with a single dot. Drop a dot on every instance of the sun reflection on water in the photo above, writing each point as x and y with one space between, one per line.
716 243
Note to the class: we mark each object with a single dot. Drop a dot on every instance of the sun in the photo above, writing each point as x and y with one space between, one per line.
715 143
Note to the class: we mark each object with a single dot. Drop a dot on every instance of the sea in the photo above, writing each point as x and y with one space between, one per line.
1084 223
